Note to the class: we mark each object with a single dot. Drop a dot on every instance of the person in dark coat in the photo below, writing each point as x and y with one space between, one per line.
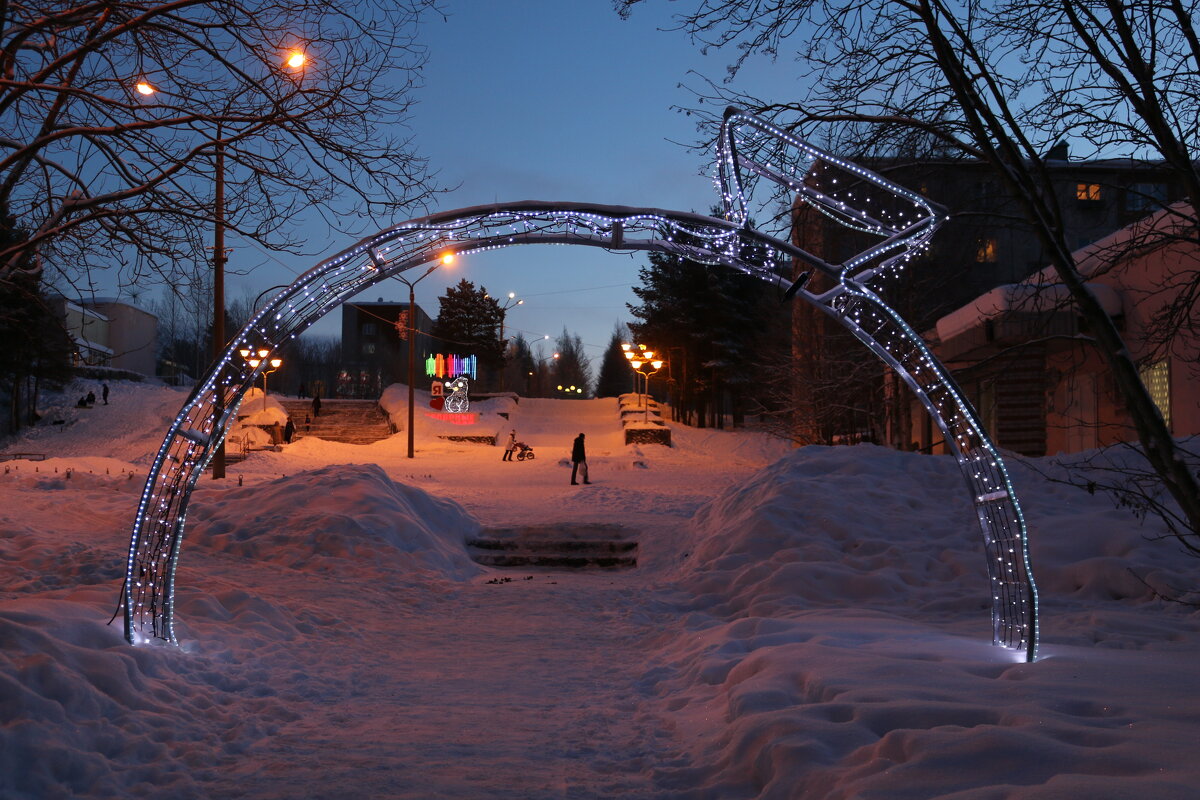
578 459
104 392
91 398
289 431
316 405
302 391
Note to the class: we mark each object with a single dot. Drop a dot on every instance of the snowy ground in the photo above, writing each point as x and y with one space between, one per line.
811 623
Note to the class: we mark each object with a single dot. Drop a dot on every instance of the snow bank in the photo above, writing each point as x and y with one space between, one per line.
322 519
838 622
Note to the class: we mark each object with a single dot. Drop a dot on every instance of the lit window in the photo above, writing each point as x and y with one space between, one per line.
985 251
1089 192
1157 378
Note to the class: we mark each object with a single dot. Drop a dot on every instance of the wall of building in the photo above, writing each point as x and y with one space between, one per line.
132 336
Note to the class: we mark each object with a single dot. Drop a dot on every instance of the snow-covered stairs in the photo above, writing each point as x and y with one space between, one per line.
349 421
576 546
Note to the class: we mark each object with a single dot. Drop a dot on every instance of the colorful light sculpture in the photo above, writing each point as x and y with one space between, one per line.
749 150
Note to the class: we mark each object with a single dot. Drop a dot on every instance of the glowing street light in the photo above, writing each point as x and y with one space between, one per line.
296 59
143 88
254 359
644 356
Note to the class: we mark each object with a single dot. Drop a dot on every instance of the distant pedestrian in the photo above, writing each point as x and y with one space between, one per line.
91 398
289 431
104 392
578 461
316 406
511 446
302 391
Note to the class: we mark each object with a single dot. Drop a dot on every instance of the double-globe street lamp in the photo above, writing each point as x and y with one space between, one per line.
295 60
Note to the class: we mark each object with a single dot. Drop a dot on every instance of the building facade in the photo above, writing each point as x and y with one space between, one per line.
110 333
375 346
986 243
1026 361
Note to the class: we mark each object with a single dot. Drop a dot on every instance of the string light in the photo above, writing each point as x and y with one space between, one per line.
747 145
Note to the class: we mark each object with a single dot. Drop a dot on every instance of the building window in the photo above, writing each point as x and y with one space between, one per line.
368 329
368 348
985 251
1157 378
1145 196
1087 192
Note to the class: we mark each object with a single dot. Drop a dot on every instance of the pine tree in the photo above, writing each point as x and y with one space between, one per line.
34 347
615 375
710 324
468 323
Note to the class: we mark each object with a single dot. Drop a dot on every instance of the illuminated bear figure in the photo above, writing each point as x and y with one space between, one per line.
456 395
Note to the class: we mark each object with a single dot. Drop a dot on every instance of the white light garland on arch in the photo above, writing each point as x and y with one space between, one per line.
859 200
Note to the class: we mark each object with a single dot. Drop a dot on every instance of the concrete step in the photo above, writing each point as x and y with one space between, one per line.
347 421
572 546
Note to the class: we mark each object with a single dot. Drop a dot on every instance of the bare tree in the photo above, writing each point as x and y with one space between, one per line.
114 116
1001 83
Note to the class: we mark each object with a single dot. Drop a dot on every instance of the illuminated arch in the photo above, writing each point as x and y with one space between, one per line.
902 224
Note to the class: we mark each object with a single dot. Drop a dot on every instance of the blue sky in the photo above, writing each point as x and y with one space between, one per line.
553 100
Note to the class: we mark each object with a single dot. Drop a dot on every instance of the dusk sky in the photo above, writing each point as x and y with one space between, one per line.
548 100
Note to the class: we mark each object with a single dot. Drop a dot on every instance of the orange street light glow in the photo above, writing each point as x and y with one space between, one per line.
448 258
296 59
144 88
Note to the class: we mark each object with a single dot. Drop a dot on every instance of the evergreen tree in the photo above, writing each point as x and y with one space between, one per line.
468 323
710 324
34 347
615 375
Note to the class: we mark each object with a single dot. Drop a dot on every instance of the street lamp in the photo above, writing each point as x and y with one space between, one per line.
512 301
295 59
446 259
254 359
637 367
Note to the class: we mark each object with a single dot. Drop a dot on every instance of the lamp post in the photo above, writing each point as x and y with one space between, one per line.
512 301
637 367
254 359
295 60
447 259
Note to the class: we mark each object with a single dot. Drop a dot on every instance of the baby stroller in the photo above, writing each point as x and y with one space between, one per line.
524 451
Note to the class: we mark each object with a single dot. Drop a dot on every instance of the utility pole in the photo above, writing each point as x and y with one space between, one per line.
218 327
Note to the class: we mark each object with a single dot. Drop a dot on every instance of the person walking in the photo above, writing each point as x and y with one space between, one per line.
316 405
289 431
104 392
578 459
511 447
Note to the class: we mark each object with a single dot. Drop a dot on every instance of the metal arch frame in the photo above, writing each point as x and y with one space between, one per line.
148 594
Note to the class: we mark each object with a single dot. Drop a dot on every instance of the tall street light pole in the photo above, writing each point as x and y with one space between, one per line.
512 301
218 334
412 340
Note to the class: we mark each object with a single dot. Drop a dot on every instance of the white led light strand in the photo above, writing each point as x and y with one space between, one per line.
148 595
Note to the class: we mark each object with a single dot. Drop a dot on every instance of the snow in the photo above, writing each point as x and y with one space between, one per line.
802 623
